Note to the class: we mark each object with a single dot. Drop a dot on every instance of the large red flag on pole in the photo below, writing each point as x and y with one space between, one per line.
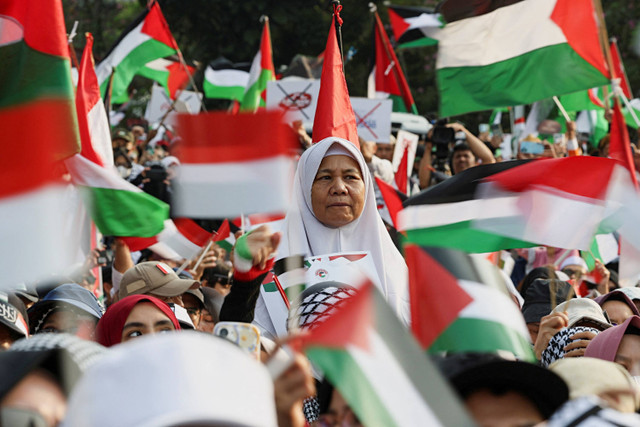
334 115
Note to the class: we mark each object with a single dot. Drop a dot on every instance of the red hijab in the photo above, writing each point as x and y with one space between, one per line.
109 329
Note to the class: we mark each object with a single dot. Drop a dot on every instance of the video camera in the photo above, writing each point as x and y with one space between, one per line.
442 137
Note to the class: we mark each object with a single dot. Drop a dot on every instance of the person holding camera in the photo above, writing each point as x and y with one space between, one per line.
464 155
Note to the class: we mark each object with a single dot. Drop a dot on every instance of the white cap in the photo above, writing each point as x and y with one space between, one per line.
171 379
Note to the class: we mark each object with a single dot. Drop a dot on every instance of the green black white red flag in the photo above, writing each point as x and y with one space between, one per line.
460 304
378 367
414 26
517 54
148 38
168 72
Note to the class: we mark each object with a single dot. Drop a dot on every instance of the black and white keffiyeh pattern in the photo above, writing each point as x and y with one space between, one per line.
555 348
84 353
316 307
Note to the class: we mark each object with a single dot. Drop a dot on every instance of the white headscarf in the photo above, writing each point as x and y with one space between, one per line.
304 234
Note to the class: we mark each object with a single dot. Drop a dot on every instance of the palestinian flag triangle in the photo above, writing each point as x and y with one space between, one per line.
389 201
117 207
460 304
521 204
378 367
169 72
528 50
39 129
147 38
414 26
261 72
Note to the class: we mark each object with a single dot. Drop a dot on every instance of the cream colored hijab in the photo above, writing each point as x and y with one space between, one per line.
304 234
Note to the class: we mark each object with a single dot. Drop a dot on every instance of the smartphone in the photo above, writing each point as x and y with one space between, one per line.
244 335
496 129
529 147
102 257
483 127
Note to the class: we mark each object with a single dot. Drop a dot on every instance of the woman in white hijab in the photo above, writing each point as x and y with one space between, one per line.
329 213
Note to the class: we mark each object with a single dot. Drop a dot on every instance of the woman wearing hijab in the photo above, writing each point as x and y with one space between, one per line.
618 306
620 344
333 209
134 316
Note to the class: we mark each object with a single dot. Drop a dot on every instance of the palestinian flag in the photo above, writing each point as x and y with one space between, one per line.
38 129
148 38
117 207
605 247
517 54
225 80
414 26
233 165
518 204
378 367
169 72
461 304
262 71
386 79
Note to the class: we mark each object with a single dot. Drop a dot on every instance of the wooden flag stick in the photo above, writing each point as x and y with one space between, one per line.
561 108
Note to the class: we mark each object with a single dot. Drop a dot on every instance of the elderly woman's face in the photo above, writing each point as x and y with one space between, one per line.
337 193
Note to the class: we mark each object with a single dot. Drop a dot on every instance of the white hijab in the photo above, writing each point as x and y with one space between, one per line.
304 234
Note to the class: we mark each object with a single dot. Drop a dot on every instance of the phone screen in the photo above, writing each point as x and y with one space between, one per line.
529 147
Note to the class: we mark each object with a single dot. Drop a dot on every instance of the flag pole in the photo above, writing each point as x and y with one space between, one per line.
392 61
604 42
337 7
72 52
561 108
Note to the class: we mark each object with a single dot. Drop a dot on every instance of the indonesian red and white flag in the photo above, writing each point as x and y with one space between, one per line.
233 165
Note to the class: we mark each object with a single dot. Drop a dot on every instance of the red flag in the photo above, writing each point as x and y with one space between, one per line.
389 77
401 176
619 71
619 144
334 115
178 78
391 200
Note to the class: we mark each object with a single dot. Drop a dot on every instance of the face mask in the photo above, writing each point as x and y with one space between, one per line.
124 171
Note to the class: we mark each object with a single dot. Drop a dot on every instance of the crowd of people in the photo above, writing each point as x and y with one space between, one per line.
140 347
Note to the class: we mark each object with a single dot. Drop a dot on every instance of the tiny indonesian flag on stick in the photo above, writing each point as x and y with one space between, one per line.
378 367
233 165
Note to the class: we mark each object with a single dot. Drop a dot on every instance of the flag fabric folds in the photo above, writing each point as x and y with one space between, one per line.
261 72
334 114
386 79
378 367
461 304
414 26
39 129
169 72
148 38
225 80
517 54
517 205
224 156
117 207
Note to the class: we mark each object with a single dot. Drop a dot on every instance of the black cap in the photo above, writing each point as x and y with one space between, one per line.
537 298
472 372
